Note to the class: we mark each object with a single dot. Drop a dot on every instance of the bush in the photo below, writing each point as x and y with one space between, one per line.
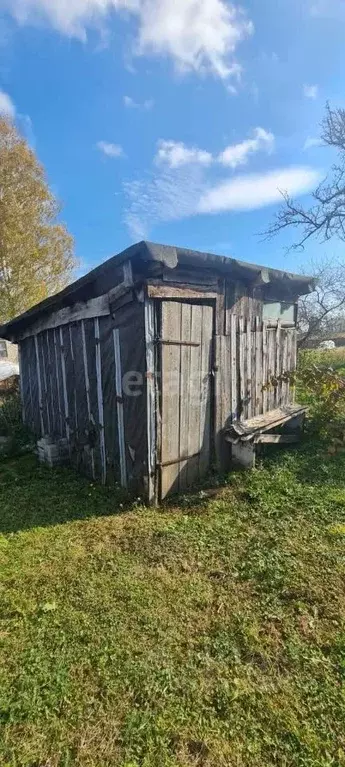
11 424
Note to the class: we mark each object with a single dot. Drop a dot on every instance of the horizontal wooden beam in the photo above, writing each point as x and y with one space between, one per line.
276 439
183 293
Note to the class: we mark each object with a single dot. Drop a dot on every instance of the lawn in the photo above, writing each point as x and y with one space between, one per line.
209 634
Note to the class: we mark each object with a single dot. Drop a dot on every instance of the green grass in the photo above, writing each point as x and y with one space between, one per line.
334 358
209 634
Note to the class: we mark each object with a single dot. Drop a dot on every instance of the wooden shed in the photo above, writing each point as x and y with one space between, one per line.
150 368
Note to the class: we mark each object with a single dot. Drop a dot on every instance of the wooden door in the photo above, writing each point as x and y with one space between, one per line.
185 402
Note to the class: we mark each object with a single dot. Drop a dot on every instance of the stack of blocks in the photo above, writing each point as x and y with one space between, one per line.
52 453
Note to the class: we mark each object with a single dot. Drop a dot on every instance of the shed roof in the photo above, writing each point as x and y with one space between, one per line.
101 279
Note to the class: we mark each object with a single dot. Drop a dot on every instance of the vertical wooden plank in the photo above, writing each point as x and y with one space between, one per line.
278 365
253 345
45 381
264 367
205 415
100 402
73 383
64 386
289 362
219 383
119 406
185 393
271 368
241 353
171 363
57 366
285 367
53 404
195 405
249 395
149 314
234 370
87 389
39 381
293 360
225 377
21 387
258 366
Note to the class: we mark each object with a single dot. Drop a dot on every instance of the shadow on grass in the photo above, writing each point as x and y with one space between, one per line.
36 496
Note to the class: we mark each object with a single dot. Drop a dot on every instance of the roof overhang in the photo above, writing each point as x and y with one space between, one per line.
170 257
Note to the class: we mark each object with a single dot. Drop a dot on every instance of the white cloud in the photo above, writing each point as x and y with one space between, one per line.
166 195
173 194
175 154
312 142
197 35
311 91
332 9
110 150
257 190
131 104
7 107
238 154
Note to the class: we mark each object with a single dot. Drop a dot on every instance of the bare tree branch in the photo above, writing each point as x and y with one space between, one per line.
326 216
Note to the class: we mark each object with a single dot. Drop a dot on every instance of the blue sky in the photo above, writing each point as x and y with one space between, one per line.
175 120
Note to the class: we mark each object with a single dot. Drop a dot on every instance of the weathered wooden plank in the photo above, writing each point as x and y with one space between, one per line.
271 369
278 365
289 363
119 407
171 358
195 401
258 366
294 361
205 380
220 316
253 364
41 338
185 392
151 399
241 358
191 276
58 388
265 422
64 386
249 395
234 372
264 368
284 367
182 293
87 389
39 381
100 402
218 411
73 383
275 439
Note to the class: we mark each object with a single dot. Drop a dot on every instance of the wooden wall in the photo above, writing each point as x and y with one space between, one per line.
247 359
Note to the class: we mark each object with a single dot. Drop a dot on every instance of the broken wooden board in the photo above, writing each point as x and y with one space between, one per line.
276 439
246 430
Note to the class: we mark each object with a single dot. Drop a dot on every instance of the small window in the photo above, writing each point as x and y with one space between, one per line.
277 310
3 350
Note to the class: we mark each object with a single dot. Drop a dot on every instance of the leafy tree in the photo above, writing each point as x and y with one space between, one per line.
36 251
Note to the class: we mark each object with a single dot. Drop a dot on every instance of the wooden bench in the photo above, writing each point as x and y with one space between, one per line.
244 436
